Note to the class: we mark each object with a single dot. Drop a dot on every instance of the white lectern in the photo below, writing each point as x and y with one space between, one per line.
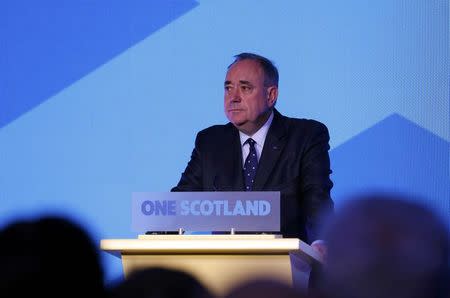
220 262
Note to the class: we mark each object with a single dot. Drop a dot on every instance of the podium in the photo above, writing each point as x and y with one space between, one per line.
220 262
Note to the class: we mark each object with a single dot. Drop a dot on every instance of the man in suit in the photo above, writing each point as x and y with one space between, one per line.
289 155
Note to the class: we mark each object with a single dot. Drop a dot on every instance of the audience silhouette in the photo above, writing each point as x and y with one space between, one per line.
264 289
378 247
159 283
386 246
52 257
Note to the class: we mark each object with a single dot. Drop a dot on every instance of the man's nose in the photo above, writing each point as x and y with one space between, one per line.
235 95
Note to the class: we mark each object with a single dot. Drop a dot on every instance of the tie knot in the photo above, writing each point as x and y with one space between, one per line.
251 142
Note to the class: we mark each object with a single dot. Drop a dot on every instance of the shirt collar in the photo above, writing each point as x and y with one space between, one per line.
260 136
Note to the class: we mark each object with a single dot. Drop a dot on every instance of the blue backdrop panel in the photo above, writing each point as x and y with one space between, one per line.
47 45
395 155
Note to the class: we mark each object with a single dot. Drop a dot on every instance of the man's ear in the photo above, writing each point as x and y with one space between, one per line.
272 95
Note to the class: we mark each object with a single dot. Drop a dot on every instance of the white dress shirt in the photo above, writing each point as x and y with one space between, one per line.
259 137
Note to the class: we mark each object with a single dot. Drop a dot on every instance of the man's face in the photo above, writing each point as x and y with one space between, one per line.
247 101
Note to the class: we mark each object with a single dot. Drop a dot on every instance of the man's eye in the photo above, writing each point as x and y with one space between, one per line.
227 88
246 88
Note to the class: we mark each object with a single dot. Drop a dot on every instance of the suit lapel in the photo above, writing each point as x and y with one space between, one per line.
273 145
238 183
231 175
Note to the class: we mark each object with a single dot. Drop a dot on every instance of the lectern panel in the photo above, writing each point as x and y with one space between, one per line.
219 273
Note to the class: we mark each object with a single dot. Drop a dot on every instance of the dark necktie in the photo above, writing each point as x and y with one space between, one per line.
250 165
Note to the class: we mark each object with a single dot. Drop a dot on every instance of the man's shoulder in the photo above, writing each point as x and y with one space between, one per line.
216 130
216 134
303 124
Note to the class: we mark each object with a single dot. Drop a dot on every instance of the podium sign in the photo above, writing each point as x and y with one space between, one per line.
206 211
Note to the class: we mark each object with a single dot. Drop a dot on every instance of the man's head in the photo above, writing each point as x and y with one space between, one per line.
251 91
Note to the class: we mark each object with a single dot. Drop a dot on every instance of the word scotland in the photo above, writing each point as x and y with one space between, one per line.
205 208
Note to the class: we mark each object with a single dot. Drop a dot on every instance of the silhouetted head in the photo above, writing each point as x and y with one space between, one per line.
382 246
50 256
159 283
264 288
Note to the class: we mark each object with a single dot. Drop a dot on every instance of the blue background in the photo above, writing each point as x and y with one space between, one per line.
99 99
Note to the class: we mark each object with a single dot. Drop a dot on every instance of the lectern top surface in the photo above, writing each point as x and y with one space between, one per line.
209 244
212 237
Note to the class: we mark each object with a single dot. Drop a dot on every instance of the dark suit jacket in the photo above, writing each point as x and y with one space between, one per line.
294 161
